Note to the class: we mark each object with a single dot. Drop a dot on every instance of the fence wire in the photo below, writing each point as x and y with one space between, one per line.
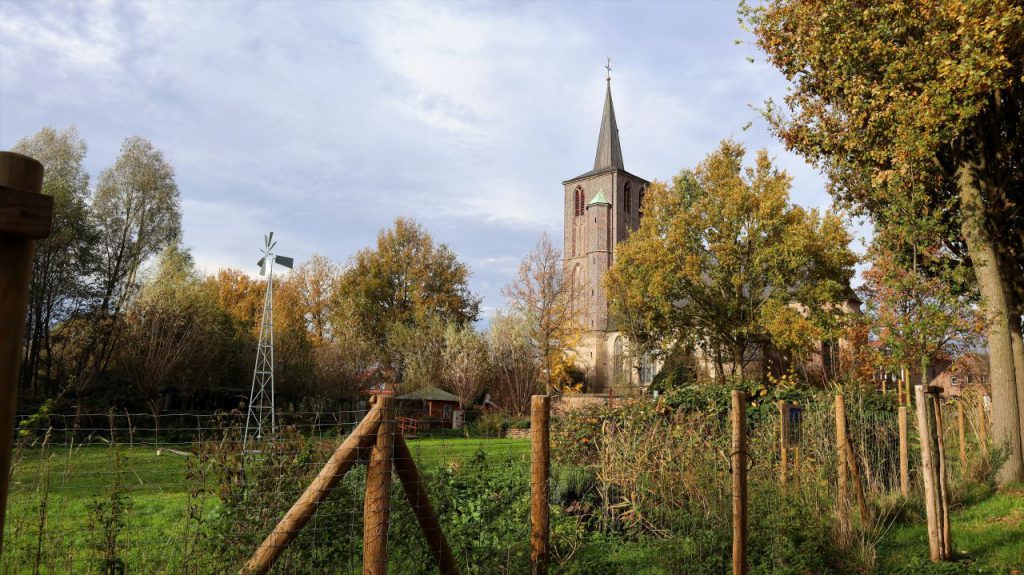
631 483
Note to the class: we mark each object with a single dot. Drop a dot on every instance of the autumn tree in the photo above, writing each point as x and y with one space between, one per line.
405 281
60 271
173 333
917 318
516 370
917 105
542 295
315 280
464 362
723 260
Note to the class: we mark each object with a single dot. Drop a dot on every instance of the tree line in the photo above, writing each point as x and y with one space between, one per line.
120 317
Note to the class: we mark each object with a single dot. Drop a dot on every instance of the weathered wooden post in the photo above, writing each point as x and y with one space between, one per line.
928 474
738 460
25 216
783 441
362 437
540 472
947 541
377 506
982 426
904 452
858 483
842 495
416 494
963 436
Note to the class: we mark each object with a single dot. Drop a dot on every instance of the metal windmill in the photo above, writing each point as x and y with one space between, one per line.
260 417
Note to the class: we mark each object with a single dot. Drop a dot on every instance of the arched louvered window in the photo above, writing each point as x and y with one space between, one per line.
626 199
579 207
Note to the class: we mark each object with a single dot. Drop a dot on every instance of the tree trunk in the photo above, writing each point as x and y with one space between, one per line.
737 362
1006 421
1017 342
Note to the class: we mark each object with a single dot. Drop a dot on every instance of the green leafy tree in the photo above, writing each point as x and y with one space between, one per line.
61 268
917 319
136 210
723 259
913 110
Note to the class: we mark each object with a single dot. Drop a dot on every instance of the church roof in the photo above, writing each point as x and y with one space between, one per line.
609 151
599 200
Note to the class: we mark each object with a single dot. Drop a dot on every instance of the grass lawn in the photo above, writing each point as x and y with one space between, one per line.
157 488
987 532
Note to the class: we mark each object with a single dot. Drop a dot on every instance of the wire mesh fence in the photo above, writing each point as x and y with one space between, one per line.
635 483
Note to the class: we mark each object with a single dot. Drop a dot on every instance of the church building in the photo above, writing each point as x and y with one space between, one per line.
602 207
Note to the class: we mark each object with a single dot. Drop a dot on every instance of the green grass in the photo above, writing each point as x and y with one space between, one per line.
987 533
988 527
156 485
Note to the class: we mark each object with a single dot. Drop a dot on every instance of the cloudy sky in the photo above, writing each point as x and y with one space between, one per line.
324 121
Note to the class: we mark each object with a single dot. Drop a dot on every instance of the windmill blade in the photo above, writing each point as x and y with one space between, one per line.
284 261
272 246
270 238
266 240
262 265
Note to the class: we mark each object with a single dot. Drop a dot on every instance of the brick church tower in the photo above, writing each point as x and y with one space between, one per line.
602 207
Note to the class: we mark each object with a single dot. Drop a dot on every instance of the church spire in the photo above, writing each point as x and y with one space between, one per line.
609 152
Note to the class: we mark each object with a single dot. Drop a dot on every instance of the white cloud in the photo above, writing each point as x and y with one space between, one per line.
325 121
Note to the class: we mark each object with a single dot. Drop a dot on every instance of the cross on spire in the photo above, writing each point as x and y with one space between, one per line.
608 67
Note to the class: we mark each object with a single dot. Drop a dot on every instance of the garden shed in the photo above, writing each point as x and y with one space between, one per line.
430 407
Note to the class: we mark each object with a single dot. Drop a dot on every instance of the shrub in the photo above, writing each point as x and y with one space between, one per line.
489 425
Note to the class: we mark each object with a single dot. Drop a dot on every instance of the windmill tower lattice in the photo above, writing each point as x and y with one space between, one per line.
260 418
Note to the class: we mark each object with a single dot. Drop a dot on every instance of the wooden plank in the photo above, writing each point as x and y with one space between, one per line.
344 457
540 471
377 506
416 494
739 482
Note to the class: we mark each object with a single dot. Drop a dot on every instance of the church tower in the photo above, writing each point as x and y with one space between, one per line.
602 207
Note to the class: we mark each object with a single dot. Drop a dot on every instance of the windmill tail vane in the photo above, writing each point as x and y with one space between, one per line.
260 418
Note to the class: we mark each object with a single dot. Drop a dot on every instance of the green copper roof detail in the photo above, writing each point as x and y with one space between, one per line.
599 200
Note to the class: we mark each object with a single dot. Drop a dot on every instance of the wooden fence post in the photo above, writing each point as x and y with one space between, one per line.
982 429
25 216
416 494
904 452
739 483
924 430
947 542
963 436
842 495
377 506
783 441
344 457
540 471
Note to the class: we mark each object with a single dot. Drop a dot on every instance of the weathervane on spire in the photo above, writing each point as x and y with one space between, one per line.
608 67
